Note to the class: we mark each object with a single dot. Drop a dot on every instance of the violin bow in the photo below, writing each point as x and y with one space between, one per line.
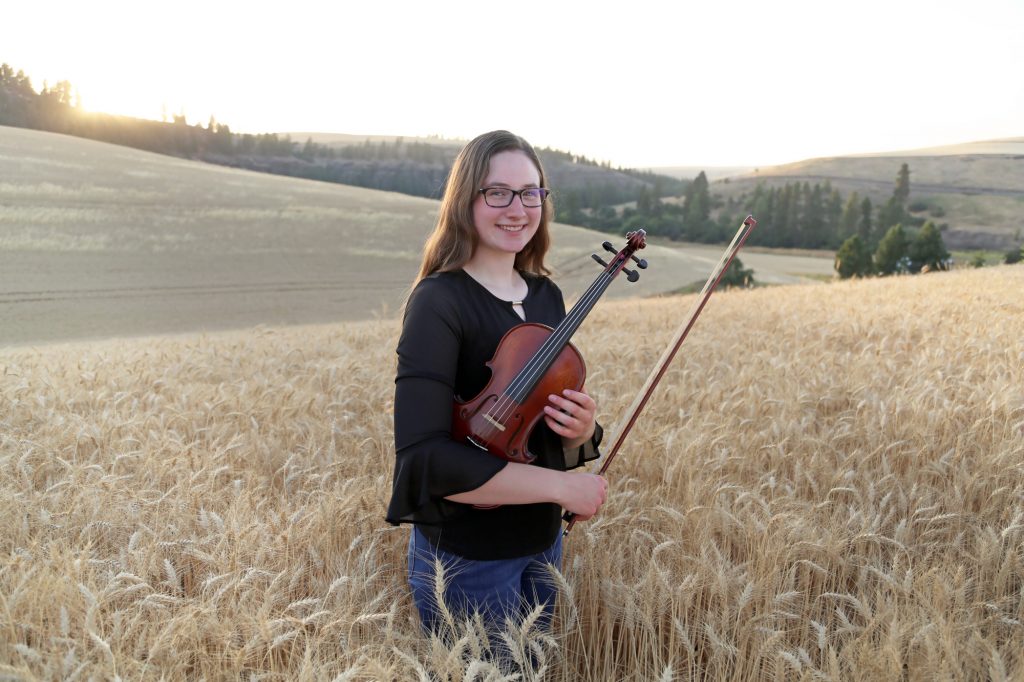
661 367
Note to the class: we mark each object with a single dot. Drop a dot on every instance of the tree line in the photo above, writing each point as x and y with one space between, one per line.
887 239
795 215
409 166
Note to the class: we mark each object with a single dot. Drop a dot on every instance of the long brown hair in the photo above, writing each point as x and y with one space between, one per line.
454 239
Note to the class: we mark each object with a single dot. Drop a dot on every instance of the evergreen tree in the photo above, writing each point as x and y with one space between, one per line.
928 249
890 214
644 201
569 208
760 205
833 214
785 213
895 210
891 250
850 217
902 191
309 149
247 144
697 204
853 258
737 276
864 227
223 140
813 227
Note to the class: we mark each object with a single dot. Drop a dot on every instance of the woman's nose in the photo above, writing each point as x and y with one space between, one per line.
516 207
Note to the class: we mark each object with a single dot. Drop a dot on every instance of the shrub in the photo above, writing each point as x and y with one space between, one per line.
928 249
892 250
853 258
737 276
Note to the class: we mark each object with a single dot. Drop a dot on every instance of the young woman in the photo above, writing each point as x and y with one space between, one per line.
483 273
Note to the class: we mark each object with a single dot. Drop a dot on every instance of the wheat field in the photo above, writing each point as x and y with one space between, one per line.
827 485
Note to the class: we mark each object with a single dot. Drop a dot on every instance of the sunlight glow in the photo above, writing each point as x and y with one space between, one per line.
728 83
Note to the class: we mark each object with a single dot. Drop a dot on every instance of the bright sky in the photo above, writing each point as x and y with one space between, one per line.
638 83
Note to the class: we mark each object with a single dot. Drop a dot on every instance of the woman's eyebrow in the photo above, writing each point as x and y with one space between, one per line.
528 185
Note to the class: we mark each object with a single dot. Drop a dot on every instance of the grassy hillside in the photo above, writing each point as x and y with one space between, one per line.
1004 146
826 485
98 240
976 188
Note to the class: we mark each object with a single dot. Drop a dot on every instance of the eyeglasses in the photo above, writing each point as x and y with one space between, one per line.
500 197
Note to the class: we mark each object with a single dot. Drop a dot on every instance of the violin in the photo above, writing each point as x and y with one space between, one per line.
531 362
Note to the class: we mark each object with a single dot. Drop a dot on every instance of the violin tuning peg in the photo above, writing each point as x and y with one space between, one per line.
631 275
598 259
640 262
608 247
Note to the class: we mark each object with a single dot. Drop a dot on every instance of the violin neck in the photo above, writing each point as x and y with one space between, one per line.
535 369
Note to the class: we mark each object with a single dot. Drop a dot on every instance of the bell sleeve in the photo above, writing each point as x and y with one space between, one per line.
429 465
587 452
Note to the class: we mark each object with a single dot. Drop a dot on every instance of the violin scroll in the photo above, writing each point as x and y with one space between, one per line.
635 241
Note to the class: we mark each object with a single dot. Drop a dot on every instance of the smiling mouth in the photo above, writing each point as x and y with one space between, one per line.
512 228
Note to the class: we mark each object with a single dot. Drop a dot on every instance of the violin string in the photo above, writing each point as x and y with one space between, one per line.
555 342
551 346
506 404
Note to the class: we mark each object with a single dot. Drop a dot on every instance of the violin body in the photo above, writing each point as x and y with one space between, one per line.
502 416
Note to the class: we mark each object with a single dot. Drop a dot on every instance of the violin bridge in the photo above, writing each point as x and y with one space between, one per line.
494 422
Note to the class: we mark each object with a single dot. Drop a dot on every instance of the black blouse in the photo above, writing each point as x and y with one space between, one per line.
451 328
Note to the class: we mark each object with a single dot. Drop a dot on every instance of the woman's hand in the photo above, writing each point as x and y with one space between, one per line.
583 494
572 416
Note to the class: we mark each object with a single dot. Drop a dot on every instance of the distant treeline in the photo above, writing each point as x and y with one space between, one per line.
412 167
795 214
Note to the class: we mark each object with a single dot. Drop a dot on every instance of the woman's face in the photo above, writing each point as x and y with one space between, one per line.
508 229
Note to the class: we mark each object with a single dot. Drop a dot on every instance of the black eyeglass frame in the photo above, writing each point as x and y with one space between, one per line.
513 192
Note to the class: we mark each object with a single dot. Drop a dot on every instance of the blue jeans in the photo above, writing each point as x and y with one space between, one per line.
499 588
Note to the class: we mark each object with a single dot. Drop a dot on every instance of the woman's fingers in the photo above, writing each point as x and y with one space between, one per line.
560 420
574 402
572 414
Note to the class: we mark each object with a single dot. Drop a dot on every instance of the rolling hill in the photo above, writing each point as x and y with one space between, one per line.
98 240
977 188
